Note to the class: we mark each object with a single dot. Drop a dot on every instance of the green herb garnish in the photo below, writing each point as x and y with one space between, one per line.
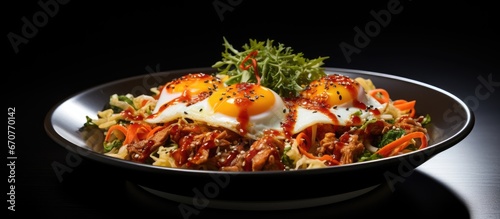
279 68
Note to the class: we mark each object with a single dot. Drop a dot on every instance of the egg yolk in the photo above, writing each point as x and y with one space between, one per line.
240 100
331 90
194 87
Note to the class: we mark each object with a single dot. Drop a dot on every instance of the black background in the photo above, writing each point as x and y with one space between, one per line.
90 43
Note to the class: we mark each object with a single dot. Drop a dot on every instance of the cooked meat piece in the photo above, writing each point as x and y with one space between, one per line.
410 125
327 144
261 158
376 128
203 143
261 150
232 160
160 137
140 150
351 151
231 168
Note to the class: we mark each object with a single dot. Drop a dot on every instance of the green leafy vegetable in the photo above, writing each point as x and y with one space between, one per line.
125 99
287 161
119 103
114 144
367 155
89 122
279 68
427 120
390 136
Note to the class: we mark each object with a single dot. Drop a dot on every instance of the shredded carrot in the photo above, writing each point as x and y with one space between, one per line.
302 141
143 131
154 130
412 112
381 95
395 145
133 132
113 128
143 103
400 148
399 101
405 105
304 145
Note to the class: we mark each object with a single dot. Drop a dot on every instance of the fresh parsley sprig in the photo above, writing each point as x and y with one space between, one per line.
279 68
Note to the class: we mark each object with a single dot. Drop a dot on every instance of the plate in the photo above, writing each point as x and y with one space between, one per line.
452 121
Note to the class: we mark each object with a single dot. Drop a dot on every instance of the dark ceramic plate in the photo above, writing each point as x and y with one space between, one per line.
452 121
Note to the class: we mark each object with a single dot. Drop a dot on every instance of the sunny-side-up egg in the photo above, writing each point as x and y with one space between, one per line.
334 99
248 109
177 95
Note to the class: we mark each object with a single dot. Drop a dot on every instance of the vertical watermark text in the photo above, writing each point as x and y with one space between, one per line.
11 158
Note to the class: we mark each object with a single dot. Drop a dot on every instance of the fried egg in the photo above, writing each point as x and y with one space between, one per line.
334 99
177 95
248 109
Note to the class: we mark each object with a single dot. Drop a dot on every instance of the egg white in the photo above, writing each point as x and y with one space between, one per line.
308 117
172 112
257 124
203 112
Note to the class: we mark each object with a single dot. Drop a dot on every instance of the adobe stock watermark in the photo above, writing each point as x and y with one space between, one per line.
482 92
364 35
223 6
74 157
201 198
453 116
39 19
